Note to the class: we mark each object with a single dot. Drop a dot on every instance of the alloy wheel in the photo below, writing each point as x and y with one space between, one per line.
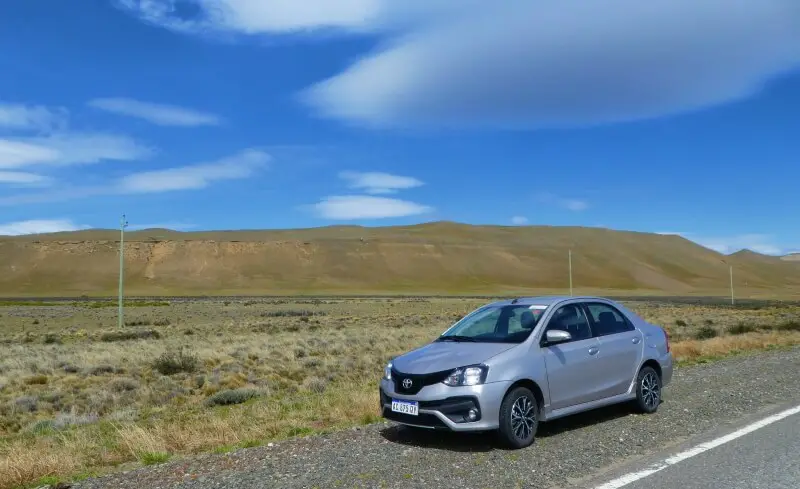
651 391
523 417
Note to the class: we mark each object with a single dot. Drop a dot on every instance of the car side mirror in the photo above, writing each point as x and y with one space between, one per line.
557 336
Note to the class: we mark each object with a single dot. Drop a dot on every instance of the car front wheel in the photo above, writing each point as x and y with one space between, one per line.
519 418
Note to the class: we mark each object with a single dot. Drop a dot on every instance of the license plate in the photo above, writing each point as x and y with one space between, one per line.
405 407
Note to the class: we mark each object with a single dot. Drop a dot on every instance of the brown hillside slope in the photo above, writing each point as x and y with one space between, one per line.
440 257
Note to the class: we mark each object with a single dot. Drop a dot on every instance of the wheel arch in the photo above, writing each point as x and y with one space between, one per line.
650 362
533 386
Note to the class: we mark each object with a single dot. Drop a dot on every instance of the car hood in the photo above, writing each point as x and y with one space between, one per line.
446 355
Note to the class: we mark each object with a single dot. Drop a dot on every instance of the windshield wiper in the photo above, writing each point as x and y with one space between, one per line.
456 337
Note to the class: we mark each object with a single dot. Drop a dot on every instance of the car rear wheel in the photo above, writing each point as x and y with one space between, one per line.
648 390
519 418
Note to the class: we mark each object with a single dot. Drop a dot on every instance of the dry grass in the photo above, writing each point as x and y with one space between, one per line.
78 395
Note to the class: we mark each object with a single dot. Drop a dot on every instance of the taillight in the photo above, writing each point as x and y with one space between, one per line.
666 335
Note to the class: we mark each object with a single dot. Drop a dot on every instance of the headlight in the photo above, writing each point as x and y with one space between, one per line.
387 371
471 375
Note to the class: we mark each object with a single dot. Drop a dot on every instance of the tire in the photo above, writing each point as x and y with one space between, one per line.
648 390
511 433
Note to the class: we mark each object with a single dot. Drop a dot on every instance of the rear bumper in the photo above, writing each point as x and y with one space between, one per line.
445 408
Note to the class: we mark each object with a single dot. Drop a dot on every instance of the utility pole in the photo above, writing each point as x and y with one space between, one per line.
570 272
733 301
122 225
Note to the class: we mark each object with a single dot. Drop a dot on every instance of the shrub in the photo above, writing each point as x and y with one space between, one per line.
789 326
52 339
705 333
232 396
316 385
126 335
170 363
292 313
138 322
741 328
123 385
680 322
36 380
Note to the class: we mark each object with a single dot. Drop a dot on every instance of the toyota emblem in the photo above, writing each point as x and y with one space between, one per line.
407 383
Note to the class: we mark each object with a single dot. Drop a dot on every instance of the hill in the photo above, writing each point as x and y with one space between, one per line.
791 257
439 257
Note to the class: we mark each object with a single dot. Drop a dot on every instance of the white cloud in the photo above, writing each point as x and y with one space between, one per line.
160 114
23 178
36 226
31 117
349 207
379 183
14 154
524 64
69 148
519 220
290 16
192 177
562 63
575 205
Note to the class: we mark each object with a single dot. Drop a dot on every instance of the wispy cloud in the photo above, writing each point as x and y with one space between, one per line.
32 117
379 183
70 148
519 220
520 64
160 114
575 205
36 226
565 63
353 207
193 177
24 178
190 177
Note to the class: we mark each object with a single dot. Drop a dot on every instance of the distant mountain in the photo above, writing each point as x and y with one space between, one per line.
791 257
437 257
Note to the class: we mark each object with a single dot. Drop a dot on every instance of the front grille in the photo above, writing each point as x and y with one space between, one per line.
418 381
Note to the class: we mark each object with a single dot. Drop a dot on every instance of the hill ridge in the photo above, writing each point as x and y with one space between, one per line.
434 257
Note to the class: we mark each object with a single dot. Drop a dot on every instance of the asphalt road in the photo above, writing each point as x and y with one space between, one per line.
768 458
703 403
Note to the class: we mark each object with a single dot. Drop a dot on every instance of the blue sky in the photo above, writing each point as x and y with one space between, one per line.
677 116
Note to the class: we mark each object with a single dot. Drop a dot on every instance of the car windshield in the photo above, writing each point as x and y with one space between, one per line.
496 324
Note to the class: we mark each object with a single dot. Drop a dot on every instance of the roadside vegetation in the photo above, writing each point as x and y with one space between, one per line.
78 394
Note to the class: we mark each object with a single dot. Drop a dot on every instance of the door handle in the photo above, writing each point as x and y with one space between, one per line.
636 340
593 350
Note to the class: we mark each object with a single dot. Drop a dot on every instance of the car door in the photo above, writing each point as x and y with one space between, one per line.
572 374
620 348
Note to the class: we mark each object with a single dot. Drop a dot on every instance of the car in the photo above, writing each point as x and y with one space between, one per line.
511 364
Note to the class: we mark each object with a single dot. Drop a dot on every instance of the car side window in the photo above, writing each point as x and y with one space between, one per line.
570 318
607 319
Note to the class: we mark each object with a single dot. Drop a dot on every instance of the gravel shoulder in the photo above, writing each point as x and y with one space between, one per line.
701 399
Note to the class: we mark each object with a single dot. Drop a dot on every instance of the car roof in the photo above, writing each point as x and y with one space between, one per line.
547 300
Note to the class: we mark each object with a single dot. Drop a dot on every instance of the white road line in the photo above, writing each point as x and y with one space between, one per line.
680 457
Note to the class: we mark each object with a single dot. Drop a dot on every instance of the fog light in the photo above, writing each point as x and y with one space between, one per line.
472 414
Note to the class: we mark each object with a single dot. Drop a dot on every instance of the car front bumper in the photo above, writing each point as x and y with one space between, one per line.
444 407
